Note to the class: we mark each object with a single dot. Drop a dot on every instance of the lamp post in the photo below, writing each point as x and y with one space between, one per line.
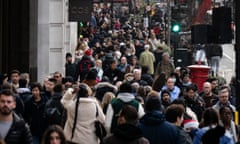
237 50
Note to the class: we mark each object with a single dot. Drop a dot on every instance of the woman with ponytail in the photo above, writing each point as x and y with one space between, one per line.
81 115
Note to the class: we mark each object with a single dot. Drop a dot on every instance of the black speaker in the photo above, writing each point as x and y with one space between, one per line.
200 34
181 57
221 25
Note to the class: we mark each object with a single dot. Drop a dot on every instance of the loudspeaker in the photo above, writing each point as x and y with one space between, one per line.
221 25
181 57
200 34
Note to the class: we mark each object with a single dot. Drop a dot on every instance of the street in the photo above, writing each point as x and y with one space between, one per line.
227 63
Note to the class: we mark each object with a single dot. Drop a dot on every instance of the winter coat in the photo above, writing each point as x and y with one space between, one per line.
147 59
19 132
157 130
126 134
34 116
196 104
54 109
85 128
126 98
200 132
70 69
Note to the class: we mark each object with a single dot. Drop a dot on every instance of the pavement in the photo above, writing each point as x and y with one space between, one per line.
227 63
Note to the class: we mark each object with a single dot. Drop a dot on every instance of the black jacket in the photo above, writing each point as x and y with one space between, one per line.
126 134
19 132
34 116
70 69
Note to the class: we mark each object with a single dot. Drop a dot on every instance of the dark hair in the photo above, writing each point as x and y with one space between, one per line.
83 91
191 87
53 80
210 116
179 101
126 87
159 82
153 104
50 130
173 112
68 55
212 136
221 110
15 71
22 83
8 92
58 88
165 91
130 114
36 84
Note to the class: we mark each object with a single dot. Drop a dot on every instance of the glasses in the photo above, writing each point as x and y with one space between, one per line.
56 76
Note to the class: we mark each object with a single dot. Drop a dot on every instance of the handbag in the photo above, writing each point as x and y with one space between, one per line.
99 128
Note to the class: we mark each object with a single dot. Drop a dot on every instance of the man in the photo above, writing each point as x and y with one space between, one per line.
58 76
193 101
126 131
175 115
124 97
223 95
70 67
14 77
165 66
50 84
208 96
113 73
170 86
147 59
122 66
12 128
154 125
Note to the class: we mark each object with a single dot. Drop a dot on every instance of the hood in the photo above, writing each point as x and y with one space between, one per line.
126 97
23 90
153 118
127 132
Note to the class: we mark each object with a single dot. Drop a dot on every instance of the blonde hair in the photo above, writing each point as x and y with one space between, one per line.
107 98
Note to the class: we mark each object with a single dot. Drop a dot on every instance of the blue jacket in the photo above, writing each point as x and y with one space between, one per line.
200 132
157 130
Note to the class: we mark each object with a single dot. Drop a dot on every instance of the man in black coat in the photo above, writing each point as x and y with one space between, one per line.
13 129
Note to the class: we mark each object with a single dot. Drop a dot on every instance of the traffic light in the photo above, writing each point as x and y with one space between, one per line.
176 27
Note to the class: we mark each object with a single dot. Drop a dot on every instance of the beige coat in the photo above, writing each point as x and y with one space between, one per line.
85 129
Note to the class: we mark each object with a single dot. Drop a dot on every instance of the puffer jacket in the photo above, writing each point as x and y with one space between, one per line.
19 132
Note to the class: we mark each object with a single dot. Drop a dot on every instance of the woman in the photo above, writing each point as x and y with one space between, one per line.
54 135
210 120
226 120
81 115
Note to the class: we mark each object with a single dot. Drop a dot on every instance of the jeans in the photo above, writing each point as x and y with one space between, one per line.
215 60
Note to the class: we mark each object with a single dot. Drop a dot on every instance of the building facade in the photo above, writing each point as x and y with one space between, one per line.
35 36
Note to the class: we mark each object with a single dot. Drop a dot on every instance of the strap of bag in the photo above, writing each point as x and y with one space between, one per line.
75 117
96 111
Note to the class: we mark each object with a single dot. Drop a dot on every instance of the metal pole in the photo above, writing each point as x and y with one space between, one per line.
169 22
237 50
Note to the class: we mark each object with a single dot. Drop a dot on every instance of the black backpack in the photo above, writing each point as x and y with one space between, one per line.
85 66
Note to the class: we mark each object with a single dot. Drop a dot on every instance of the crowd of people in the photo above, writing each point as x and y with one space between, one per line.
121 76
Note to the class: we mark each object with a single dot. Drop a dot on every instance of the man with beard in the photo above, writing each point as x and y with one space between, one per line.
13 129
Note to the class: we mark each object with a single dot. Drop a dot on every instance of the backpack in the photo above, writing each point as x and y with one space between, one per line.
117 105
85 66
